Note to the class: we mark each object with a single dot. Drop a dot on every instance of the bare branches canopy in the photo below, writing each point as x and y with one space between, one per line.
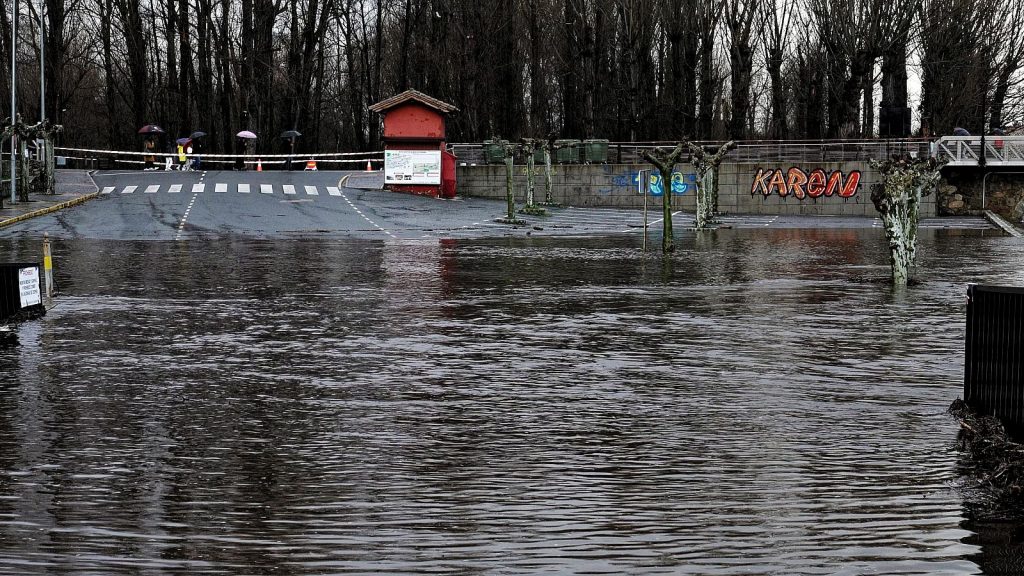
617 69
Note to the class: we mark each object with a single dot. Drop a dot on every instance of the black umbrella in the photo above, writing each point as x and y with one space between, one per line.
290 134
197 134
958 131
151 129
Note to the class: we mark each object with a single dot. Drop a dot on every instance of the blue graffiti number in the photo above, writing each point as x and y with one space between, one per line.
681 183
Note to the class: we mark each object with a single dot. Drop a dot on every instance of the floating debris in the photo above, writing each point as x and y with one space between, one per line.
989 454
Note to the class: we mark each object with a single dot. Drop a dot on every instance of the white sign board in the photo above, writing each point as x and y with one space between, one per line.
28 285
412 166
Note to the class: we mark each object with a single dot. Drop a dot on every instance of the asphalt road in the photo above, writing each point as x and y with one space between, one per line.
175 205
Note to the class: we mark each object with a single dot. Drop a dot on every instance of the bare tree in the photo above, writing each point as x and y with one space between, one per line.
743 21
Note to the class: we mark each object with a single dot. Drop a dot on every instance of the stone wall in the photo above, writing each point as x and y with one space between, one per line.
966 190
740 189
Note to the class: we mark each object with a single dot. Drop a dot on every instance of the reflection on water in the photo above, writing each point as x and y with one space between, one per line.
759 403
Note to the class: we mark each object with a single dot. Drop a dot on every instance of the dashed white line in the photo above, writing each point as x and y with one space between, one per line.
184 217
152 189
107 190
128 189
372 223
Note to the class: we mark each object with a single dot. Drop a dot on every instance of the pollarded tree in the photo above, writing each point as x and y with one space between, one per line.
898 199
707 185
666 162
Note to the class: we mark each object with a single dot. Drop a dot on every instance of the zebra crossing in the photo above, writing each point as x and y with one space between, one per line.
221 187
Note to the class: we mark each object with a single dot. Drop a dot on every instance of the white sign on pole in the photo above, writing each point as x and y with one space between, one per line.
28 286
412 166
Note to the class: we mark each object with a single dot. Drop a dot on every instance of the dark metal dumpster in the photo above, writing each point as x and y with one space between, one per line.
21 294
994 354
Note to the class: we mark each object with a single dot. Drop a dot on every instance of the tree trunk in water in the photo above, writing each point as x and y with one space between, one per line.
510 196
898 199
531 181
666 163
548 177
707 185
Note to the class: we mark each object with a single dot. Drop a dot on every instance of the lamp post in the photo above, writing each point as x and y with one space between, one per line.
42 60
14 99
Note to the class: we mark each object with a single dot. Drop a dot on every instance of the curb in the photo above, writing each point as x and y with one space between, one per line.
49 209
1000 222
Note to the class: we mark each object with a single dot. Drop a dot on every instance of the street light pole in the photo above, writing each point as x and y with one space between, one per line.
14 99
42 60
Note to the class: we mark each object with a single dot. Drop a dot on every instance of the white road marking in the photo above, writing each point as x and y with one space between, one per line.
220 187
333 191
198 187
243 188
311 191
107 190
152 189
372 223
266 189
175 188
128 189
288 189
184 217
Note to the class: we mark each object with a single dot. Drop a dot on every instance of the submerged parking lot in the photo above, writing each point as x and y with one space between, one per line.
761 401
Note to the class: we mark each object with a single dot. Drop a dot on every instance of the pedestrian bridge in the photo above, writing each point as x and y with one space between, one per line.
999 151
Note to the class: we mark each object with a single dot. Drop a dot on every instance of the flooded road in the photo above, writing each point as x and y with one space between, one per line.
762 402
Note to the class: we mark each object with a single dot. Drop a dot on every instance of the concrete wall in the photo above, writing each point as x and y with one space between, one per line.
614 185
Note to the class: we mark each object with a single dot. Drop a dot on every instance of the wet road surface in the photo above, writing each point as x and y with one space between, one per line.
760 402
287 205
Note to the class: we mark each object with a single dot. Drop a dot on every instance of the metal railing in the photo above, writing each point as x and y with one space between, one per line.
751 151
93 159
967 150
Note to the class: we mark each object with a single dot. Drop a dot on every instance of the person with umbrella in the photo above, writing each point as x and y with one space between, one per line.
151 132
290 135
197 143
182 155
246 141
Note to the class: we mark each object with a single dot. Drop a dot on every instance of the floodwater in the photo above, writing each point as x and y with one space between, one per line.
763 402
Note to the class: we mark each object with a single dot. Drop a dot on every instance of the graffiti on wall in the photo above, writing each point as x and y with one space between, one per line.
681 183
800 184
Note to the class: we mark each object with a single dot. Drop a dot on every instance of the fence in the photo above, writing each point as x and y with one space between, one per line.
94 159
752 151
994 354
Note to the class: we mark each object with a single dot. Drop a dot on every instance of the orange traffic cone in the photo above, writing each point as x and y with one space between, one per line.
369 167
259 165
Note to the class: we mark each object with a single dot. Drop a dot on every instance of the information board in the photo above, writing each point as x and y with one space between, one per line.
412 166
28 286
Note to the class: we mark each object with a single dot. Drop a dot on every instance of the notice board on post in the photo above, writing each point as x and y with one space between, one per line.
21 292
412 167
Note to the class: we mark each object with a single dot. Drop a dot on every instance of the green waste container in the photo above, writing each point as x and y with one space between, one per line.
568 151
494 151
595 151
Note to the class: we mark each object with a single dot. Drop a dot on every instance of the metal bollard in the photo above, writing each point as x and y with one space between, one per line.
48 266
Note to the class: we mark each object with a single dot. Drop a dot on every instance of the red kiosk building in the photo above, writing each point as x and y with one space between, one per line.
415 159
